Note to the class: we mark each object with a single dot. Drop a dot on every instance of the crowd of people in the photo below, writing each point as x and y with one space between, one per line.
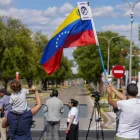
17 116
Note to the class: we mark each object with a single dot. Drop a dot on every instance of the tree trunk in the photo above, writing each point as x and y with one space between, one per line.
30 82
56 83
5 83
44 82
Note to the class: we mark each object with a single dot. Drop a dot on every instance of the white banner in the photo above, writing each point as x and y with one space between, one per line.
84 10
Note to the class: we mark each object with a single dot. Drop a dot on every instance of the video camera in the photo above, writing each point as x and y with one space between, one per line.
96 95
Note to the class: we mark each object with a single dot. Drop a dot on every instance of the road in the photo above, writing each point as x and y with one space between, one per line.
79 93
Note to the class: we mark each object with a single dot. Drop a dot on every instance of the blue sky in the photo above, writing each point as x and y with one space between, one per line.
47 15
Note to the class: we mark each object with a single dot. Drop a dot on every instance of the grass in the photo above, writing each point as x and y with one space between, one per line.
105 107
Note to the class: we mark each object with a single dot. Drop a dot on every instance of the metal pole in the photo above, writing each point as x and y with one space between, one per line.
109 49
108 56
130 62
131 30
109 41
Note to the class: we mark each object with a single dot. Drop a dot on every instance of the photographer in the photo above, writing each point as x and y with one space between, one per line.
129 122
54 108
20 124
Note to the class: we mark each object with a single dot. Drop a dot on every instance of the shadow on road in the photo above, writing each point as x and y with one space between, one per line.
85 94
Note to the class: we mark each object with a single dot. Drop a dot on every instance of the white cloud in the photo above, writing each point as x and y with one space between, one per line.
39 19
51 11
56 22
5 2
54 11
66 8
104 11
68 52
29 17
74 70
127 10
123 30
114 27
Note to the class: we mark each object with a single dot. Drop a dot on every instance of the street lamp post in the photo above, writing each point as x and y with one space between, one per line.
130 62
109 41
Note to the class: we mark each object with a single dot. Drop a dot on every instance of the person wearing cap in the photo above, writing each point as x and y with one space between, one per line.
4 108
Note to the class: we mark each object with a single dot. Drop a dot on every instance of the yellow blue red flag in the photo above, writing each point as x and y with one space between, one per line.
73 32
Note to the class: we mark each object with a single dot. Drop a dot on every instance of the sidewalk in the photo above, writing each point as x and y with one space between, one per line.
111 123
110 115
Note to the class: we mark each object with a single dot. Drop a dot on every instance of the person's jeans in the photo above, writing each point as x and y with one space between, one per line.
2 130
53 130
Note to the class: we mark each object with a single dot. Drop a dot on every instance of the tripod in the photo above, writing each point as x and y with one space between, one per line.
96 108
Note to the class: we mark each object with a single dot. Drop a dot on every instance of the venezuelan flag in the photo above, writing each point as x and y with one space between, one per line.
73 32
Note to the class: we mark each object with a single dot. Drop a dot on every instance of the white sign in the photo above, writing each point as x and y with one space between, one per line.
84 10
118 71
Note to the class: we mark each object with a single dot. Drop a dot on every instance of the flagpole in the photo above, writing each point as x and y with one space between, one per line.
94 30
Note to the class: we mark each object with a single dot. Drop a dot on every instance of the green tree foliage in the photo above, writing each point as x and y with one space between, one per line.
21 50
135 61
88 58
40 41
16 49
139 33
64 72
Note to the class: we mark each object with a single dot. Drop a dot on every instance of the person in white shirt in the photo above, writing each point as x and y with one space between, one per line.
129 122
18 98
72 121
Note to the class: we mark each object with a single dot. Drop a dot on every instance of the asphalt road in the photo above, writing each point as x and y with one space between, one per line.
77 92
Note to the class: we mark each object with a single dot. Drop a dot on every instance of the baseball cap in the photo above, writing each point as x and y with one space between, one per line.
3 90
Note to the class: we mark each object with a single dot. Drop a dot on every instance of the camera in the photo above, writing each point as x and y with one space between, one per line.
96 95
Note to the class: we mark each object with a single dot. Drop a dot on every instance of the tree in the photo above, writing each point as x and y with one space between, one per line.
39 41
88 59
64 72
16 49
